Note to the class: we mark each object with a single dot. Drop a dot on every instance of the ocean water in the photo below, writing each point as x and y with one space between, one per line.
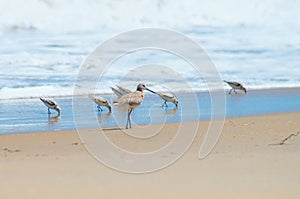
257 42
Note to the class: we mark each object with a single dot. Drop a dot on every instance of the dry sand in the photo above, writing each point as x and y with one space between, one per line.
246 163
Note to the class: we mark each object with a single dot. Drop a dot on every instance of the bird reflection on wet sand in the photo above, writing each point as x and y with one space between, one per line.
103 118
171 112
53 119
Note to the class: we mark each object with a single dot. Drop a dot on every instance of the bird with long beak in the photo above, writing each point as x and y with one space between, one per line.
51 104
167 97
101 102
132 100
235 86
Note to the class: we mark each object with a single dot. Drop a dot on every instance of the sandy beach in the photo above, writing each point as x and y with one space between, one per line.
247 162
237 60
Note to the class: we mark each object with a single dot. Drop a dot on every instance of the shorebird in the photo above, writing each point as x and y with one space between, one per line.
235 86
51 104
101 102
120 91
168 97
132 100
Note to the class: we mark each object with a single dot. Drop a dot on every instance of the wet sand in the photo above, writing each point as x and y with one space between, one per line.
247 162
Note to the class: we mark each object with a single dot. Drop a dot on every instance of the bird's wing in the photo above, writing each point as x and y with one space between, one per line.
233 83
101 100
131 99
49 102
166 96
123 90
237 84
117 92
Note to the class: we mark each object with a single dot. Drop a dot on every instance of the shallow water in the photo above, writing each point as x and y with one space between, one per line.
31 115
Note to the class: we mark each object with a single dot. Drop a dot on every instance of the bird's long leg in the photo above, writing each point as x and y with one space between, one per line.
230 91
49 111
99 108
127 121
235 91
166 103
128 118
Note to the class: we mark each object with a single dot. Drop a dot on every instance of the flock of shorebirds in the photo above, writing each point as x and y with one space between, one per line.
133 99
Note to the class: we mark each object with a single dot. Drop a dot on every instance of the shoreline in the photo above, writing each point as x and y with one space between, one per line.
246 162
180 92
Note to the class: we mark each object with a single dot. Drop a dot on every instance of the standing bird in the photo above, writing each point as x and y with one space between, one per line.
51 104
168 97
235 86
132 100
120 91
101 102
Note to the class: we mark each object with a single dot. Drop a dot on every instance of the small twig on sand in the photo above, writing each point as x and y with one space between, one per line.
289 137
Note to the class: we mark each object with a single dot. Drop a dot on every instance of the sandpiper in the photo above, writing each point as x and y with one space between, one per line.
132 100
101 102
51 104
168 97
235 86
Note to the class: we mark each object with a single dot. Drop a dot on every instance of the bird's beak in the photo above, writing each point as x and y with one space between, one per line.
150 90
